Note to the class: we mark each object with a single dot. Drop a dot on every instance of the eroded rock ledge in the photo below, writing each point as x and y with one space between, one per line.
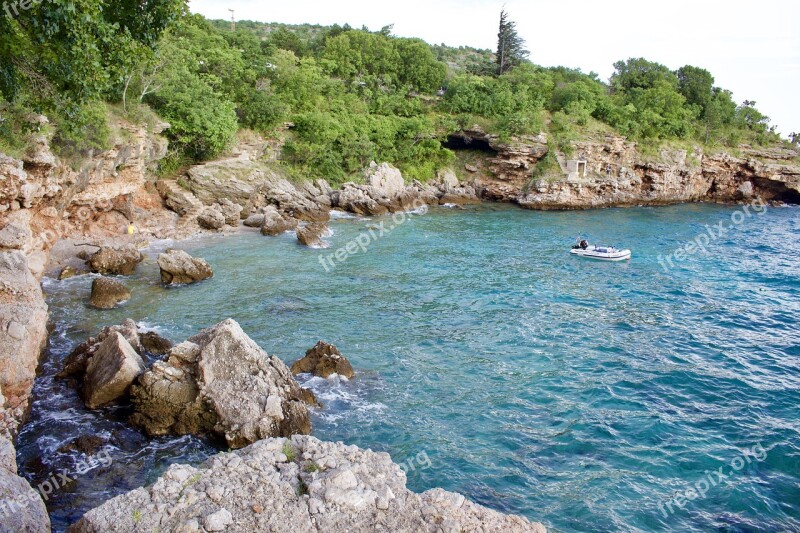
298 485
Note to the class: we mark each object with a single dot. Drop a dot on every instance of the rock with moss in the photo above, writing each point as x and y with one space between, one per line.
107 293
115 260
302 484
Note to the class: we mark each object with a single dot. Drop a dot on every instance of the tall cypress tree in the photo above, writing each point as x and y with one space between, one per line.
510 46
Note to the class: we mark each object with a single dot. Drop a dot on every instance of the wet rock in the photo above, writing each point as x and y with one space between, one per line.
119 260
76 362
310 398
311 235
211 219
155 344
323 360
111 371
107 293
223 383
70 271
22 508
86 444
178 267
343 488
274 222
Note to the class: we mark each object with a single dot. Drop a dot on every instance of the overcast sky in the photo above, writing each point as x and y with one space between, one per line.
751 48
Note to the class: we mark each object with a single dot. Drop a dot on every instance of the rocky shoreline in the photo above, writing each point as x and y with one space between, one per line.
56 220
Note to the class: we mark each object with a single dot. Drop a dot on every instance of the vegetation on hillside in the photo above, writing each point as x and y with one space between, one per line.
349 95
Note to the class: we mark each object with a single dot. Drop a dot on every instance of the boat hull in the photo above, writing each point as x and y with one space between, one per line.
616 255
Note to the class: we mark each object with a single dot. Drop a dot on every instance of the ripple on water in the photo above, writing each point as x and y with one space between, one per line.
584 395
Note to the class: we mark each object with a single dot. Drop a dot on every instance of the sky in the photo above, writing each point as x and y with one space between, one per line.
751 48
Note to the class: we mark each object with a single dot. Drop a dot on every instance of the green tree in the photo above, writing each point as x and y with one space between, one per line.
639 73
696 85
510 46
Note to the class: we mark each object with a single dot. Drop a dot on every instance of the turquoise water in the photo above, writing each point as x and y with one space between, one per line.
581 394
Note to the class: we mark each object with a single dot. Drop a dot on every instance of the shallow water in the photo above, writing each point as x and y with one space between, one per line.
581 394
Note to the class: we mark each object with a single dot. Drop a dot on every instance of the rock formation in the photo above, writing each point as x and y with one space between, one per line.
107 293
323 360
311 235
77 361
111 371
211 218
274 223
21 507
178 267
301 484
115 260
220 382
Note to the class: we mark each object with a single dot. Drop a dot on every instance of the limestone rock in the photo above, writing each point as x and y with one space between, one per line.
111 371
323 360
23 334
231 212
310 398
274 223
76 362
341 488
120 260
22 506
107 293
254 221
178 267
311 235
220 382
211 218
154 343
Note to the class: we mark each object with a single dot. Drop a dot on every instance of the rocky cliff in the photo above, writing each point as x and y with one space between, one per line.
617 174
297 484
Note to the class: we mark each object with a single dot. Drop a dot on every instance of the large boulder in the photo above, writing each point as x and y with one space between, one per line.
323 360
220 382
274 222
107 293
178 267
231 211
302 484
111 371
115 260
256 220
21 507
311 235
211 218
77 361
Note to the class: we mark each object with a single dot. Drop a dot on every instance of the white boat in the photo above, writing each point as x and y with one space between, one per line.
602 253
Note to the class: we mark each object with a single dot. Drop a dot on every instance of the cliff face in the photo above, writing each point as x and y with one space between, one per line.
42 200
616 174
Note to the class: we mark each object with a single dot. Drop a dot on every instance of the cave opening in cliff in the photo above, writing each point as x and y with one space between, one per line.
777 192
460 142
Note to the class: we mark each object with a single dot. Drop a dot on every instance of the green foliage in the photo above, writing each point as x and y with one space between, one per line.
289 451
641 74
510 46
81 128
696 85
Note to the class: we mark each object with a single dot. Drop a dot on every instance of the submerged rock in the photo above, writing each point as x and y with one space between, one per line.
302 484
111 371
178 267
107 293
220 382
120 260
323 360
